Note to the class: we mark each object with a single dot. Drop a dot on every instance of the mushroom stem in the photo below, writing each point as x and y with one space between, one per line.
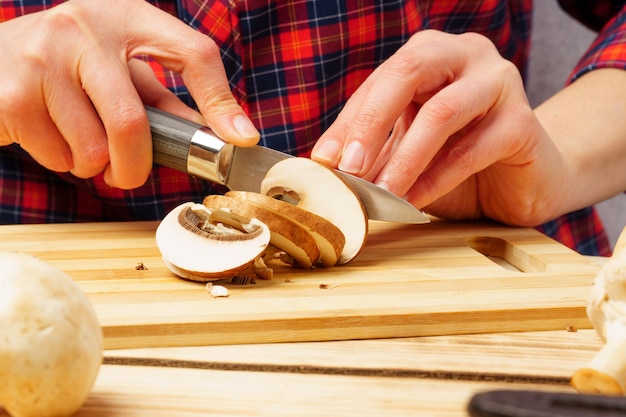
606 373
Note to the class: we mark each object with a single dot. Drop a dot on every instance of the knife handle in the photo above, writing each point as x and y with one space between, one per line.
188 147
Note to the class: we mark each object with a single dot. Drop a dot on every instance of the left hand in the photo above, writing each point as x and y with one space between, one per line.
464 142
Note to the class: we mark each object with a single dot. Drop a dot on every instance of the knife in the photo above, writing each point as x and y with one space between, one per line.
527 403
195 150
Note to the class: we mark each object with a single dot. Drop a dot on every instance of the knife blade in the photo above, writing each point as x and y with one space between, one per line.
195 150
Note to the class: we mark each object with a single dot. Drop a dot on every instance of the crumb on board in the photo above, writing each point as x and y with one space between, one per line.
216 290
141 267
571 329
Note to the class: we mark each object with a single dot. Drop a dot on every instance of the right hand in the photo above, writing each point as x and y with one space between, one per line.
73 96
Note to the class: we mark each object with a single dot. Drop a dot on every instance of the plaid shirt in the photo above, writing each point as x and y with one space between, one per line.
292 64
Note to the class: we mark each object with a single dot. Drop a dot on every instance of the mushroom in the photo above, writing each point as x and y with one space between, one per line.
206 244
328 237
606 309
51 343
286 234
317 189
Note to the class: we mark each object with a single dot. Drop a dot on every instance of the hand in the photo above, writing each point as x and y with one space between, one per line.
72 95
464 142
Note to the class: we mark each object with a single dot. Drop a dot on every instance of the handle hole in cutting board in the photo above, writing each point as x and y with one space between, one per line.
505 254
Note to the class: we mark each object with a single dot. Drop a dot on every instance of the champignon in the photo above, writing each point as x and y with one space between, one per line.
285 233
328 237
51 343
316 188
606 309
207 244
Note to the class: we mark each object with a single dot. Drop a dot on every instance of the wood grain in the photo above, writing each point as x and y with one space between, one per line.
124 391
410 280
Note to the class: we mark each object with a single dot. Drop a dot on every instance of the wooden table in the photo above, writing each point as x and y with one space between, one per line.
417 376
424 376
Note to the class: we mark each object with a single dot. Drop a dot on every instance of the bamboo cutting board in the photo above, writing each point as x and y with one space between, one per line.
409 280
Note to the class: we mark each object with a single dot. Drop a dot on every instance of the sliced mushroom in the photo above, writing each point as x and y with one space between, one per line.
206 244
328 237
317 189
286 234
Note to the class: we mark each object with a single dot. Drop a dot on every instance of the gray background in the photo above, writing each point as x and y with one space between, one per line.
557 43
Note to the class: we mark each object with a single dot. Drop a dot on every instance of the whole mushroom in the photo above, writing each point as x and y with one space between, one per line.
606 309
51 342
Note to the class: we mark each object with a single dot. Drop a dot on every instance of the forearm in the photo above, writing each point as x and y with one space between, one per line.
586 122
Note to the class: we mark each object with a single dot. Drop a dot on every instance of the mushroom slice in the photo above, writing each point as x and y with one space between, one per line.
329 238
286 234
316 188
202 244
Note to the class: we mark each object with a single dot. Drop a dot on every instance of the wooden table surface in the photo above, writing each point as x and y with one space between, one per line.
422 376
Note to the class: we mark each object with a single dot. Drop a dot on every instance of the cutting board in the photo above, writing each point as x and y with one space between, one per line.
409 280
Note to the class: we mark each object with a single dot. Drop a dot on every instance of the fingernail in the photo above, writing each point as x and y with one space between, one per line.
352 159
244 127
326 152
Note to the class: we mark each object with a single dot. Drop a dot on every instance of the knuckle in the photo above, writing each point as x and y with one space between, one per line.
441 113
461 158
404 165
129 120
404 63
366 122
478 41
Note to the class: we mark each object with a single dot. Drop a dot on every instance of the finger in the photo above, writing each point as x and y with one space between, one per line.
154 94
108 84
421 67
197 58
78 123
458 106
44 143
356 137
399 131
485 144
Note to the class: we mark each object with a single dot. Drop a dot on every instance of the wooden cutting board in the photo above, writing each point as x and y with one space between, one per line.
409 280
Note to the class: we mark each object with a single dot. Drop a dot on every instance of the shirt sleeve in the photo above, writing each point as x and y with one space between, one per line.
608 50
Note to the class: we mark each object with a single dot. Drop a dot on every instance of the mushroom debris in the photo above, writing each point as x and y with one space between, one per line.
51 343
606 309
312 217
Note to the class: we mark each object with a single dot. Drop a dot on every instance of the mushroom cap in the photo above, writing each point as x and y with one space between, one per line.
329 238
286 234
606 309
51 342
607 301
192 253
323 192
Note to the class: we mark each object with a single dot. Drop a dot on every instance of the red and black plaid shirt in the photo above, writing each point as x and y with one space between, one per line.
292 64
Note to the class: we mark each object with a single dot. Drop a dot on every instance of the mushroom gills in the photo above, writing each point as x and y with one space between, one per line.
207 244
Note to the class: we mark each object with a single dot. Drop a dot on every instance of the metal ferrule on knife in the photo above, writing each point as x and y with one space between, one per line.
208 156
189 147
